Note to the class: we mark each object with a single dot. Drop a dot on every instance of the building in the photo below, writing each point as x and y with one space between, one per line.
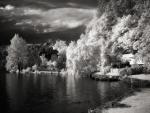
132 60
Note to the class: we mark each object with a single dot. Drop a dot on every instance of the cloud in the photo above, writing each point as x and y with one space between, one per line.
68 24
67 17
29 11
7 7
72 4
49 20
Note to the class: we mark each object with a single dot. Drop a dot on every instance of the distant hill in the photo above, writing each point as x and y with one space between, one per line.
33 37
120 27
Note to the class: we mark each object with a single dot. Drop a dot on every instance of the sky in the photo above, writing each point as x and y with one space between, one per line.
51 3
46 16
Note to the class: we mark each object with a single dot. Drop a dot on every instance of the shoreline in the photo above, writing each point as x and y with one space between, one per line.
114 103
43 72
137 101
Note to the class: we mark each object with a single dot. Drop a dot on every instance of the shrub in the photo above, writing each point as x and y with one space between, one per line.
3 54
106 69
147 70
33 54
35 67
125 71
137 69
27 70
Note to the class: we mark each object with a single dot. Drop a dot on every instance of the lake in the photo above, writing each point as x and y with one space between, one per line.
55 94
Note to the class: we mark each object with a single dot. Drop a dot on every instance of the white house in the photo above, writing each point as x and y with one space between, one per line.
132 60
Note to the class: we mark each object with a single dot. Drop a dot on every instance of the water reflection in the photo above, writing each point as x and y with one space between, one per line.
55 94
3 95
71 88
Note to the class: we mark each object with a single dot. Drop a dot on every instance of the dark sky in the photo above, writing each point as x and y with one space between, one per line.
29 18
49 3
52 14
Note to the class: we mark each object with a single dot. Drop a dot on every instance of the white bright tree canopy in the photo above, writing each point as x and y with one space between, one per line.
17 54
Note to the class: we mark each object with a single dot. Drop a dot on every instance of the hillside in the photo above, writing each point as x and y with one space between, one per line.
121 26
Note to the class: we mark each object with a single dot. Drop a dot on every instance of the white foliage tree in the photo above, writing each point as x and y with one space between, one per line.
60 46
124 31
85 56
17 54
105 39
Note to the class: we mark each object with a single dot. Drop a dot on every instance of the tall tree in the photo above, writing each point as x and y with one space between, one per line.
17 54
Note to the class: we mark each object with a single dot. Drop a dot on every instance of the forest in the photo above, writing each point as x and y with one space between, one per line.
119 27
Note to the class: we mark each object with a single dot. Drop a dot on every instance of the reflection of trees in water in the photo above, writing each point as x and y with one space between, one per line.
26 92
103 89
109 91
16 97
71 87
3 95
52 93
81 91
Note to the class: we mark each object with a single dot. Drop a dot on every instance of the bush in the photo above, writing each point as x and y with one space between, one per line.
138 69
147 70
125 71
35 67
33 54
106 69
134 70
43 68
27 70
3 54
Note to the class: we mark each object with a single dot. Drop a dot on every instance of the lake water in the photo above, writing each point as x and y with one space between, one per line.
55 94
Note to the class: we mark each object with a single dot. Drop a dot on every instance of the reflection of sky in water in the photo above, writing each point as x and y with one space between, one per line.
46 20
56 94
